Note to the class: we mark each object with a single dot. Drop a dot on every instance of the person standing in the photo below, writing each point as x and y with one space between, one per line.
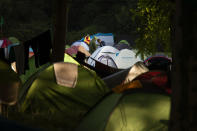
93 45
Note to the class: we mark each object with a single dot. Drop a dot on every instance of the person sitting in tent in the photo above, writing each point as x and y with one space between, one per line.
93 45
101 43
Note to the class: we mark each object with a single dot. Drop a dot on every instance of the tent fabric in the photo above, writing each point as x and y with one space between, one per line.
103 51
107 60
156 78
83 50
74 49
104 70
60 103
158 62
123 44
108 38
92 121
13 40
123 59
69 59
121 88
32 69
133 111
30 76
125 76
81 43
136 70
150 80
5 43
1 43
126 58
66 74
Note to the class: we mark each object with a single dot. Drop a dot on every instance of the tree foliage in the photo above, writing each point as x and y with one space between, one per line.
147 21
108 15
25 18
153 20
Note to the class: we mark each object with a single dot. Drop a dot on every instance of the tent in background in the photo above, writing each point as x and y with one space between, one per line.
101 53
73 50
123 44
81 43
126 58
117 59
108 38
125 76
14 40
158 62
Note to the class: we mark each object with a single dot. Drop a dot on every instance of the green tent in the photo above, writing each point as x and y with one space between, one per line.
32 69
14 40
139 111
54 106
69 59
124 42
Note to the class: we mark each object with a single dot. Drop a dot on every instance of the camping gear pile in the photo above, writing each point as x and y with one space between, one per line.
111 90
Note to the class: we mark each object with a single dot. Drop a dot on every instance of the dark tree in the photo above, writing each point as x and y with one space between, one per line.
59 29
184 82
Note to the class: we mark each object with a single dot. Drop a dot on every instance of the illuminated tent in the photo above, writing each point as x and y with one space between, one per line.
63 105
126 58
135 111
105 55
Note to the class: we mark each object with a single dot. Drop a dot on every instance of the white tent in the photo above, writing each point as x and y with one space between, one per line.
80 43
126 58
105 55
113 57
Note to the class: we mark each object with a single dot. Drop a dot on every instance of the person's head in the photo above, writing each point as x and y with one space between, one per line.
99 40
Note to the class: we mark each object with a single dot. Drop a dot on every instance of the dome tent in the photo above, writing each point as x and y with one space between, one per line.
123 44
158 62
119 59
65 106
126 58
101 53
81 43
138 110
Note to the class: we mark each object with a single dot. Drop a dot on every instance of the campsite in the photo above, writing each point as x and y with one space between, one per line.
100 65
